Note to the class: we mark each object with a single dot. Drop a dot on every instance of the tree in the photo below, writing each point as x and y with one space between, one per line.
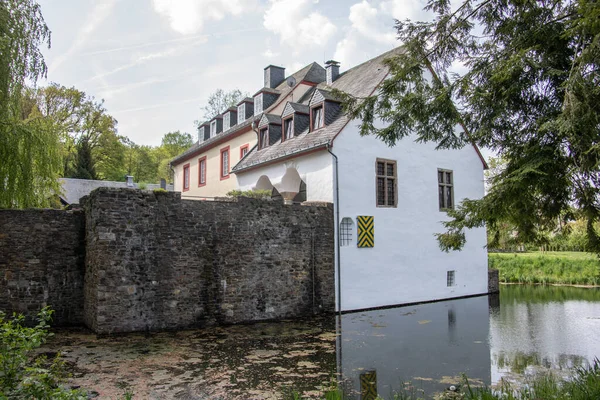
531 93
29 151
220 100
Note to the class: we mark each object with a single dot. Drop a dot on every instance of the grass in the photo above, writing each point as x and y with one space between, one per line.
567 268
584 384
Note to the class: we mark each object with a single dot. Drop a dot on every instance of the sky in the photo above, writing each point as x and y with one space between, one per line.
155 62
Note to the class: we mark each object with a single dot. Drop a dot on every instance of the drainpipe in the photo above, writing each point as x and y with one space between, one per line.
339 272
337 227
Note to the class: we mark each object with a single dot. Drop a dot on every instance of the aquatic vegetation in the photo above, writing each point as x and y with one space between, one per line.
571 268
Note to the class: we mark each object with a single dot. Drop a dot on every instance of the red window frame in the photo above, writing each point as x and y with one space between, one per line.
242 148
200 161
222 151
283 131
186 168
322 106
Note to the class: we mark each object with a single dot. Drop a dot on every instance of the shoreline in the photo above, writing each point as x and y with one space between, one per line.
578 285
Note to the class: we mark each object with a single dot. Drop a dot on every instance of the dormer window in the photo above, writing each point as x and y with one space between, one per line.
288 128
263 139
226 124
258 104
316 118
241 113
213 128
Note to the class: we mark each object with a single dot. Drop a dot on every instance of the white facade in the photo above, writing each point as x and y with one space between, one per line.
406 264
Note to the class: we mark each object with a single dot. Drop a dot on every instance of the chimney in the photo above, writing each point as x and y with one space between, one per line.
129 180
163 184
274 76
333 71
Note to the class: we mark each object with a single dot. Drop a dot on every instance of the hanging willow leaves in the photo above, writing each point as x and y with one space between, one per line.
29 155
530 92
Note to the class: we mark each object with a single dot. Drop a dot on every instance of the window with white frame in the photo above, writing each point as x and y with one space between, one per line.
241 113
226 118
451 278
258 104
213 128
445 189
346 229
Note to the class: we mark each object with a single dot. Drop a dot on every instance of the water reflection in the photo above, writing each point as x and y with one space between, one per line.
526 329
429 345
541 328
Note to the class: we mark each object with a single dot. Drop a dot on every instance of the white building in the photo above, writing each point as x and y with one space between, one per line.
312 151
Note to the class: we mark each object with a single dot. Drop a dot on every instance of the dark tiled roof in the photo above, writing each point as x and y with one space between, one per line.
246 100
313 72
270 119
268 90
327 95
359 81
299 108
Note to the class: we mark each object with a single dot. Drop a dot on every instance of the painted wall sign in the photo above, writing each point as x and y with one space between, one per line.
366 231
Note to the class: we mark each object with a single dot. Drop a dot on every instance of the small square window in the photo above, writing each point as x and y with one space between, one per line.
346 228
450 278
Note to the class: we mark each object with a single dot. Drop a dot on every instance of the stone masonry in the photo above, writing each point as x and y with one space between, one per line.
42 263
157 262
151 261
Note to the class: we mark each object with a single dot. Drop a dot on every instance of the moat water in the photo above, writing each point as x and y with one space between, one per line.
523 331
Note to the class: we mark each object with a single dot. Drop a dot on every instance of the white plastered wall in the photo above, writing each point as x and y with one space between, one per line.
315 169
406 264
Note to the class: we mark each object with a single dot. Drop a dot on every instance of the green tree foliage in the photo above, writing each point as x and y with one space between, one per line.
220 100
29 150
91 148
22 374
531 93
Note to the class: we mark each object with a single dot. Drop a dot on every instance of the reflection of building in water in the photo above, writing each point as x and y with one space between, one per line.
429 345
538 329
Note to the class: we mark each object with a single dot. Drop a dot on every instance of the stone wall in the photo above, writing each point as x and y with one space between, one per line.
42 263
157 262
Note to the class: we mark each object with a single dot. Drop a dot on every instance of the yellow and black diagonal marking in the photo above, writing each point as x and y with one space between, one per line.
366 231
368 385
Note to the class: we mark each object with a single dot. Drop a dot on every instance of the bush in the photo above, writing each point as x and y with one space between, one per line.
24 375
253 194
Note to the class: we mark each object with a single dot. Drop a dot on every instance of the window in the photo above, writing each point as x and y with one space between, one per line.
241 113
186 177
445 189
202 171
288 128
450 278
263 138
258 104
244 150
225 163
386 183
226 121
346 228
213 128
316 118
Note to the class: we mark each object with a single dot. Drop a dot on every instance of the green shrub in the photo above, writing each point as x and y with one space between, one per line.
142 186
253 194
24 375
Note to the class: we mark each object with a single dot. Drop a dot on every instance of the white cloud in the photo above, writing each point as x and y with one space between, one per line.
94 19
297 24
368 21
406 9
189 16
